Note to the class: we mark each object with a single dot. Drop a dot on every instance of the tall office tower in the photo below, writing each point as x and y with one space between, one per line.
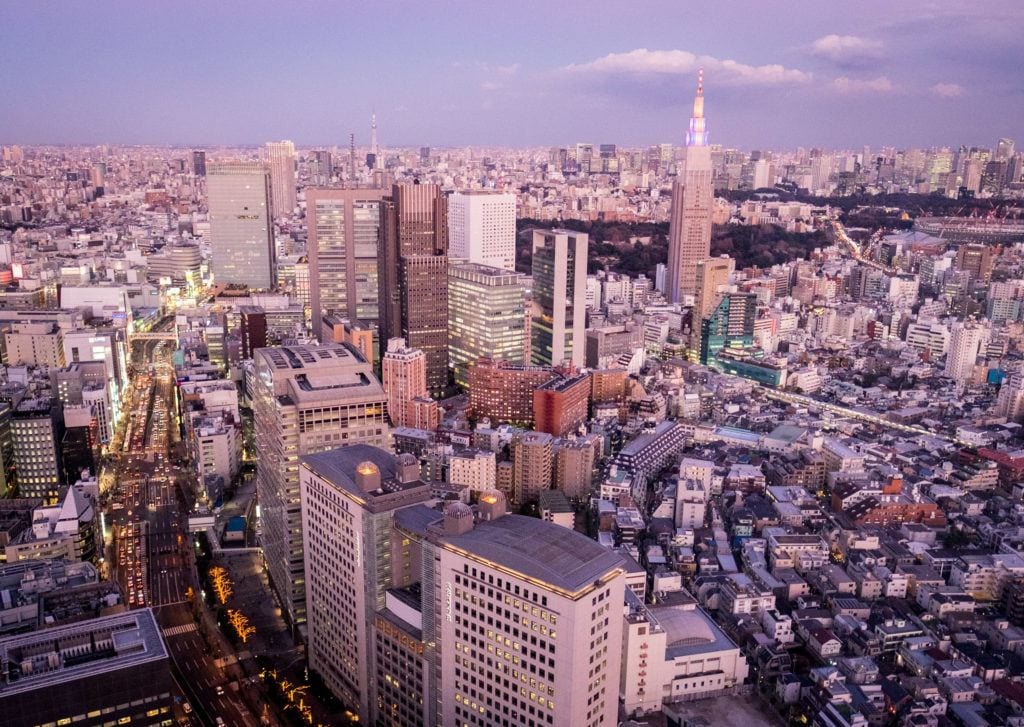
585 157
559 297
693 200
545 596
404 378
37 428
486 316
199 163
482 227
241 231
344 231
349 499
967 341
281 160
1004 149
413 274
307 399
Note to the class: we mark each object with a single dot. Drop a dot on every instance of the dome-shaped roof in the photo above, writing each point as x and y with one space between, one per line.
458 510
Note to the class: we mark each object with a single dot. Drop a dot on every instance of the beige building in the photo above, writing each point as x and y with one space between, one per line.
281 160
531 465
241 228
308 399
34 344
474 469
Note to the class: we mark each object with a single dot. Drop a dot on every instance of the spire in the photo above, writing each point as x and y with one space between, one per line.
697 134
373 132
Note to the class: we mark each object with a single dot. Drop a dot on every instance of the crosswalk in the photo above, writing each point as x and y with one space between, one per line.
178 630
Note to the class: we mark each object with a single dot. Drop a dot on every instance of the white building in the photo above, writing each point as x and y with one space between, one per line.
482 227
529 630
967 342
474 469
674 652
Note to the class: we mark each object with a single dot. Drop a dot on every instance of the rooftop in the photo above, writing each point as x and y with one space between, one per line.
537 549
134 639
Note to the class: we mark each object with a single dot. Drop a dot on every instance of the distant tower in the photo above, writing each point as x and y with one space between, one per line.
692 202
352 158
373 133
281 158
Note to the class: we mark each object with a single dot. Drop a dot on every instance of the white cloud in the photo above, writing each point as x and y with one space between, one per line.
489 86
727 71
862 85
509 70
847 49
948 90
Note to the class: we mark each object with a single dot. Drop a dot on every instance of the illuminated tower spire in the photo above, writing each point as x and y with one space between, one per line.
373 132
697 134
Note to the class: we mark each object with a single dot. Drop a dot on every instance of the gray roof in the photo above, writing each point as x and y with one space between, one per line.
135 634
538 549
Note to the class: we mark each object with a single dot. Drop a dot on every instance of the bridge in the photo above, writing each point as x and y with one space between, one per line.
154 336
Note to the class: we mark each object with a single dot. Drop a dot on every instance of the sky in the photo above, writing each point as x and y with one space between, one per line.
516 73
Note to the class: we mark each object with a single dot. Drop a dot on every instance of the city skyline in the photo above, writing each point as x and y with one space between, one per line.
919 73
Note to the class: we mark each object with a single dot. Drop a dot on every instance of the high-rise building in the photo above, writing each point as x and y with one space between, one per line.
241 231
199 163
413 275
404 377
712 275
344 233
281 160
976 260
532 465
559 297
551 598
1004 149
37 428
729 325
693 198
307 399
354 557
967 340
486 316
482 227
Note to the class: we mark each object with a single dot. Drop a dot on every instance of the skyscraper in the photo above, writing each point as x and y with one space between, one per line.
689 236
199 163
486 316
482 227
344 232
413 274
241 232
281 158
559 297
349 500
308 399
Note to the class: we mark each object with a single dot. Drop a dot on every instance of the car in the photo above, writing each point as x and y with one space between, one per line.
187 707
219 690
220 721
